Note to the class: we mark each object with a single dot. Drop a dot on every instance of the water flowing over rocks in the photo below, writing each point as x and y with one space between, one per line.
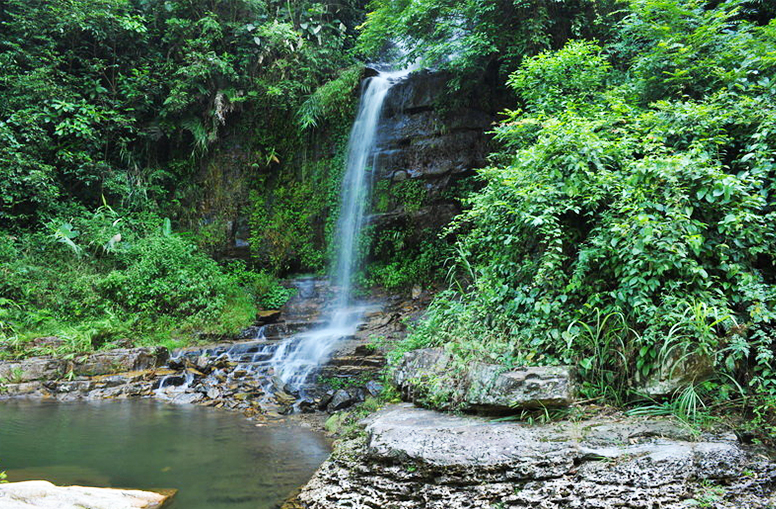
235 375
480 386
44 495
412 458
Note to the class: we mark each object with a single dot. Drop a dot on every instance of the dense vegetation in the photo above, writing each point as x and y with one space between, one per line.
627 223
123 120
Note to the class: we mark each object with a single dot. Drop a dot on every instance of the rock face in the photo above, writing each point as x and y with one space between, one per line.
480 386
420 140
423 151
44 495
412 458
100 363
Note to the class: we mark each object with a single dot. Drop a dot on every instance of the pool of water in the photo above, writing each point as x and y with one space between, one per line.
214 458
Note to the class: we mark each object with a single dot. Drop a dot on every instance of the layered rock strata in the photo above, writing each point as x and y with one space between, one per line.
412 458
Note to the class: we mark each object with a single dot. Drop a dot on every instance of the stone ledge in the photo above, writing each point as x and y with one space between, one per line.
98 363
483 387
410 458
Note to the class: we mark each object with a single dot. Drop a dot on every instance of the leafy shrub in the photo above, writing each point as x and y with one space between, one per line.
572 76
334 100
631 210
465 36
265 288
166 275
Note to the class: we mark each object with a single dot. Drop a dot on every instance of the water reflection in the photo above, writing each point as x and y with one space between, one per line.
215 459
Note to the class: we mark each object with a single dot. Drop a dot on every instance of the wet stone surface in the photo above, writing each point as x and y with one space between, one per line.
235 375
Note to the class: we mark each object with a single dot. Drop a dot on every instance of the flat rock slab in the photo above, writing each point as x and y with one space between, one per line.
411 458
430 373
44 495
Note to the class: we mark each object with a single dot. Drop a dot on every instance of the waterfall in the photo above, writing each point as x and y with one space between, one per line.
297 358
355 184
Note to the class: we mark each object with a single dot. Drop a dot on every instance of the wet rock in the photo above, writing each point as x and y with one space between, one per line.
341 399
268 316
205 363
36 368
171 381
100 363
279 385
414 458
363 351
431 149
325 400
23 389
373 388
481 386
179 397
253 332
284 398
44 495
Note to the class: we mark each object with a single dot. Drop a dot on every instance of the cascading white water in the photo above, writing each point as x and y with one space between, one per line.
298 357
355 185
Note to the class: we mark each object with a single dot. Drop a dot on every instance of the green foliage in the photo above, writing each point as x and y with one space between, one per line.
350 382
145 285
105 98
629 217
553 81
401 253
332 100
408 195
141 104
465 36
266 290
708 494
293 218
165 275
348 424
400 263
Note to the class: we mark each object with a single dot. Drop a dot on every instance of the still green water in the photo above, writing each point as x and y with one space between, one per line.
214 458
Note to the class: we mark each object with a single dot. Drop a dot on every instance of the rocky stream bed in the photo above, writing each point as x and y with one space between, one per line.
409 457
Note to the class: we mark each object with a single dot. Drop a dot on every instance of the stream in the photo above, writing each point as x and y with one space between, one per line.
216 459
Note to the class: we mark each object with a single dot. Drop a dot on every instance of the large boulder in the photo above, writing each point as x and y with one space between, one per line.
44 495
430 374
410 458
675 374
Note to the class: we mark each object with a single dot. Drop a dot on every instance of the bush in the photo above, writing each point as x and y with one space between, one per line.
264 288
149 288
166 275
631 211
